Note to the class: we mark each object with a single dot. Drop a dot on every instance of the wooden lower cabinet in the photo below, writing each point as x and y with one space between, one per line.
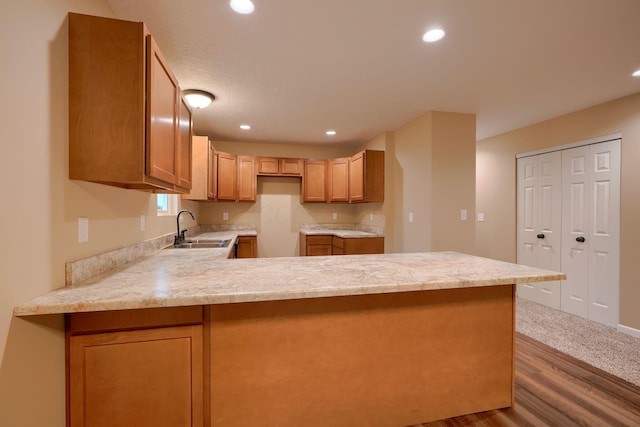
136 368
247 247
318 245
326 244
357 245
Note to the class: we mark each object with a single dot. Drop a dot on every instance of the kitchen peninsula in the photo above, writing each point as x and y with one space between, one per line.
367 340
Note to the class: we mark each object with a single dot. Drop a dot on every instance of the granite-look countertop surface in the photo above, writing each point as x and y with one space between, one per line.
339 233
182 277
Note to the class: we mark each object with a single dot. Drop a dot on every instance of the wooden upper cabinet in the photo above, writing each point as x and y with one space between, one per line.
213 173
162 116
291 167
314 181
124 108
227 176
185 153
366 176
268 165
274 166
338 180
247 179
200 169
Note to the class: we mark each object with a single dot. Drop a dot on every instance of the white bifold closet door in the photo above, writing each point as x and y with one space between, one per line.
539 223
590 224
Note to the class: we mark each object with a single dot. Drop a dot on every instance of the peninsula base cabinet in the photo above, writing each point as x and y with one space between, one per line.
385 359
136 368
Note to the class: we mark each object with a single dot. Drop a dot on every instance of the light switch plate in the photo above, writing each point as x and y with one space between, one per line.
480 217
463 215
410 217
334 215
225 216
142 223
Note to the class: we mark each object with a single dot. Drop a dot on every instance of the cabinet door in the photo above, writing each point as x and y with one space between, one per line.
184 146
227 176
151 377
199 168
213 173
268 166
247 179
313 181
162 116
291 167
364 245
356 178
338 180
366 177
247 247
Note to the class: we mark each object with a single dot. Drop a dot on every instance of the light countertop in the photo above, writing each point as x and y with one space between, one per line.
339 233
182 277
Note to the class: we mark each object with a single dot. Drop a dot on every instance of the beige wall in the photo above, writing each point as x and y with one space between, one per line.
496 185
432 163
41 206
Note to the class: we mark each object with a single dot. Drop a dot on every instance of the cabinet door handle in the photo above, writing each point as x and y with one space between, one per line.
580 239
540 236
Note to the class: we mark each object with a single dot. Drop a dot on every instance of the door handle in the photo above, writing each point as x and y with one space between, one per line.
580 239
540 236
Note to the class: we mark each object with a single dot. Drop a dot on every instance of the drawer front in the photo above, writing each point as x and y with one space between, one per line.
319 240
318 250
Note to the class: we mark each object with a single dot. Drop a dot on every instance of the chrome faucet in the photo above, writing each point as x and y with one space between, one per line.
179 237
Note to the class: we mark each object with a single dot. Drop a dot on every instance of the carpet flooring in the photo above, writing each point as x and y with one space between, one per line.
598 345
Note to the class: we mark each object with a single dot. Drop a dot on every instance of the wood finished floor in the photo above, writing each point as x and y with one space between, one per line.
554 389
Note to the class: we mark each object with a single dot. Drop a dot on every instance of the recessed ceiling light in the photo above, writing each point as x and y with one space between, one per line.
433 35
198 98
245 127
330 132
244 7
636 73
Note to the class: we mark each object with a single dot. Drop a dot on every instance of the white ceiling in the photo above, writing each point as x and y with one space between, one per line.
296 68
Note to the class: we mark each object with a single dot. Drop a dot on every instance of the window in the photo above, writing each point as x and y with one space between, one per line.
166 204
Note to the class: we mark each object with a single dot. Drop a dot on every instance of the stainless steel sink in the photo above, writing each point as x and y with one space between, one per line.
203 243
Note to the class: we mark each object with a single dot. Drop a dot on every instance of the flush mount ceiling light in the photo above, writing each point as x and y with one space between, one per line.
245 127
433 35
244 7
636 73
198 98
331 132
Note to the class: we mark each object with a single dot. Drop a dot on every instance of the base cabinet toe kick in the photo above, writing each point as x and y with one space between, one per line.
400 358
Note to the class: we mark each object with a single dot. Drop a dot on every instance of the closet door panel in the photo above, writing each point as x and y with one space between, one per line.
604 239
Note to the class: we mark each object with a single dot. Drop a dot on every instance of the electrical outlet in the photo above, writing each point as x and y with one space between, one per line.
370 217
225 216
463 215
334 215
410 217
480 217
83 230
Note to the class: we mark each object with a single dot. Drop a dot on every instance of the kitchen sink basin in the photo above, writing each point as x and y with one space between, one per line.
203 243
